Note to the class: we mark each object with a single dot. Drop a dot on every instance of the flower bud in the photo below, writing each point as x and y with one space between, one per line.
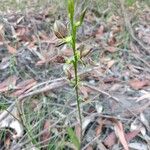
60 30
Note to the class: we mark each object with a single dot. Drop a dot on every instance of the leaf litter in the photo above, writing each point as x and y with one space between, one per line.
114 75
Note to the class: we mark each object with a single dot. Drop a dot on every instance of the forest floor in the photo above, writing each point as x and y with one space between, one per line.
37 99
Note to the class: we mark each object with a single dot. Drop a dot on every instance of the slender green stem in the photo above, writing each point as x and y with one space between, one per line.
75 64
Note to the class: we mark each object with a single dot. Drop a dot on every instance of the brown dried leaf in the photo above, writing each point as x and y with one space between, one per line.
10 82
130 135
11 50
112 40
89 147
85 52
110 80
139 84
120 133
59 59
116 29
8 143
85 91
23 87
110 63
110 140
42 62
101 146
115 87
43 37
24 83
46 134
100 32
66 52
111 49
99 127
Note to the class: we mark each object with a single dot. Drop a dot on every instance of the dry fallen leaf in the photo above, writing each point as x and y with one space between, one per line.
110 63
111 138
23 33
7 142
85 91
101 146
46 134
139 84
100 32
11 49
130 135
99 126
8 84
89 147
23 87
111 49
65 51
115 87
120 133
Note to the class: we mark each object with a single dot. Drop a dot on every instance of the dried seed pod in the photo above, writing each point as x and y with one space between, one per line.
60 29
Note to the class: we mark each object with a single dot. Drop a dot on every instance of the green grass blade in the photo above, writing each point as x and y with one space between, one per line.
74 139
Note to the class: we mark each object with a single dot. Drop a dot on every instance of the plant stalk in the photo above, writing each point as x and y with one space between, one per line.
75 65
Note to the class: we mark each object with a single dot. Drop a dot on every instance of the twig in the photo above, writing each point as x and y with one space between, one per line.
45 89
52 84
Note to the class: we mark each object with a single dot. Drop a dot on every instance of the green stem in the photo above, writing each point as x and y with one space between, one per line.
75 64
